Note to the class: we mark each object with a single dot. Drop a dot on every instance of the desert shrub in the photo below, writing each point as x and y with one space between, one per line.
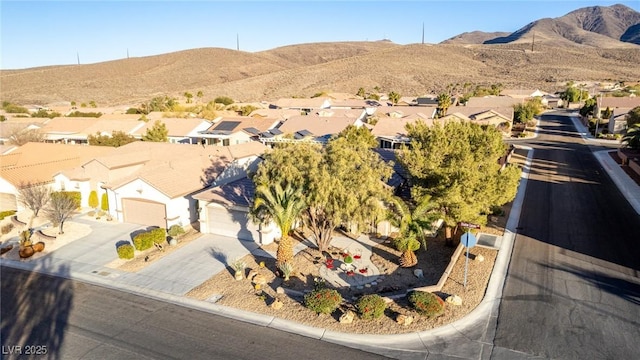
143 241
75 195
4 214
175 230
323 301
371 306
224 100
426 303
93 199
6 228
125 251
158 235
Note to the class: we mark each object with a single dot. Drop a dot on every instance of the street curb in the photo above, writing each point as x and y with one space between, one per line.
629 189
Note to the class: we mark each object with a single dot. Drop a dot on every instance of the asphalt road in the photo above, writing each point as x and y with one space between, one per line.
572 289
68 320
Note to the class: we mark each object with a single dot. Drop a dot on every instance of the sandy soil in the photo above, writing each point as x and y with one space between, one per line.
72 231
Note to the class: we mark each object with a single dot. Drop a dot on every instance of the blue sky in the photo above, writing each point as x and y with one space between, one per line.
56 32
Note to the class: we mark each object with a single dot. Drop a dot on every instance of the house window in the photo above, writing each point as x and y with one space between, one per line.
225 142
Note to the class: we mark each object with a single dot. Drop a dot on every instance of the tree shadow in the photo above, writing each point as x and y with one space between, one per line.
35 309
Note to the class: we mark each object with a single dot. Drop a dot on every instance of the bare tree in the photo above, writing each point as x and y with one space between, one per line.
34 197
18 136
60 208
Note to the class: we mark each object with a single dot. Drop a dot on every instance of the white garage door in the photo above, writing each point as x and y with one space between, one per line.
144 212
8 202
232 223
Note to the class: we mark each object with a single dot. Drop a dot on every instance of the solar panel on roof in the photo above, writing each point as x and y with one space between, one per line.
252 130
267 135
227 126
304 133
275 131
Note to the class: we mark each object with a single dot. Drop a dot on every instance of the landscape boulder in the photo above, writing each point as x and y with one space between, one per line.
454 300
347 317
404 320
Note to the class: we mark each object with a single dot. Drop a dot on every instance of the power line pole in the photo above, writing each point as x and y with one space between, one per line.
238 41
78 56
423 33
127 53
533 41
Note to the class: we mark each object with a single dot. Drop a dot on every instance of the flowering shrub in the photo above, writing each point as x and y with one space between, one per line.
426 303
323 301
371 306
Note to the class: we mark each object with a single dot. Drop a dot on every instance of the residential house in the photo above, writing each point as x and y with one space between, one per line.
16 125
314 127
391 132
492 102
36 164
304 105
355 104
614 103
618 120
224 210
552 101
236 130
151 183
76 130
276 114
522 93
423 112
408 101
180 131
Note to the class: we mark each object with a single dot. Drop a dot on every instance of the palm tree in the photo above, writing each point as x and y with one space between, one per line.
444 101
283 206
632 138
412 224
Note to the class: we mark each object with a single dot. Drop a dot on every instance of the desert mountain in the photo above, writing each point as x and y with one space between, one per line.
566 49
474 37
596 26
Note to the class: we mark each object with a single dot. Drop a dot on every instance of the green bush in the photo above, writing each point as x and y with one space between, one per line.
426 303
371 306
175 230
75 195
158 235
323 301
6 228
104 204
4 214
125 251
145 240
93 199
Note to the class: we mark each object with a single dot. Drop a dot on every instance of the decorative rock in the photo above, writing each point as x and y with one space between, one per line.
360 287
454 300
277 305
347 317
259 279
279 290
373 283
39 246
404 320
172 242
251 274
479 258
418 273
367 285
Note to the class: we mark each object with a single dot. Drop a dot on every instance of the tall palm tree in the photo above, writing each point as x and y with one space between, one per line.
283 206
444 101
632 138
413 223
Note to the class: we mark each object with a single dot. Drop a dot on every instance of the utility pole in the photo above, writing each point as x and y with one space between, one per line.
423 33
598 116
127 53
78 56
238 41
533 41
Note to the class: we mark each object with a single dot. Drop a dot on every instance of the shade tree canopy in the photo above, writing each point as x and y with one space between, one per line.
456 165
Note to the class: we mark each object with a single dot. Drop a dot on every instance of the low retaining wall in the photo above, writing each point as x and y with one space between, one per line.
42 236
635 166
16 222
